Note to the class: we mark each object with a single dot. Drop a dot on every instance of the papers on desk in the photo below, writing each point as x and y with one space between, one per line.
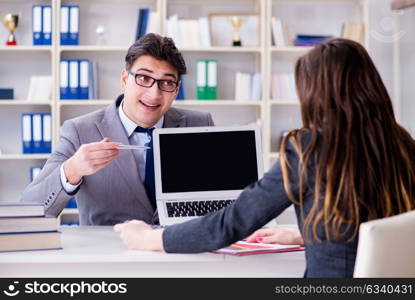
243 248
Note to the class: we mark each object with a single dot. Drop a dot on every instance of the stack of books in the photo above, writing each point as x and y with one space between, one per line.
189 33
25 227
280 33
248 86
283 86
355 32
147 22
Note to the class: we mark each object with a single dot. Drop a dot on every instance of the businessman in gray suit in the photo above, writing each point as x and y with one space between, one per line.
113 185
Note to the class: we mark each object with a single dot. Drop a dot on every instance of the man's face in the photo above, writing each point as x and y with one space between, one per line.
143 105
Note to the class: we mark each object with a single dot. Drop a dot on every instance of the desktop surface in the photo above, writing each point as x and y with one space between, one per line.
97 251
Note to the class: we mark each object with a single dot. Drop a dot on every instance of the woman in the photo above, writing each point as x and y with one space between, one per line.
349 163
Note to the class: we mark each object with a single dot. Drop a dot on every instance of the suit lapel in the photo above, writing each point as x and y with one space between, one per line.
173 118
110 126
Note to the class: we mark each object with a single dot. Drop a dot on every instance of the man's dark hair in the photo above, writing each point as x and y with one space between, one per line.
159 47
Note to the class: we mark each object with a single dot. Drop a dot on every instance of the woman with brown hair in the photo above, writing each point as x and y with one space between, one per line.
350 162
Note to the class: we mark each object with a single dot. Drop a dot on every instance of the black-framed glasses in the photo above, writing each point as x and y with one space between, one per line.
164 85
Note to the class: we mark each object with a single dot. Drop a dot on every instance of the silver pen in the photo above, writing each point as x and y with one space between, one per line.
132 147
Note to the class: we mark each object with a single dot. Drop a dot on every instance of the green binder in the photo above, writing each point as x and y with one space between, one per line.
201 79
212 67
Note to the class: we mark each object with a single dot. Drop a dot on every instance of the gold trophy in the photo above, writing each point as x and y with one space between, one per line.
236 23
11 21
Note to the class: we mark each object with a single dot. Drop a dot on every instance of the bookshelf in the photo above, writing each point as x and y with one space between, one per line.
403 41
119 20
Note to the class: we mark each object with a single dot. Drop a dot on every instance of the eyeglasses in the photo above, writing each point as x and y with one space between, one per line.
148 81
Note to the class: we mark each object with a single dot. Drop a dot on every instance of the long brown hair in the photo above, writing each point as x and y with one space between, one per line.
365 166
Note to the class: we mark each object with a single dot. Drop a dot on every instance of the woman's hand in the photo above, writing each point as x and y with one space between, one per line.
275 235
137 235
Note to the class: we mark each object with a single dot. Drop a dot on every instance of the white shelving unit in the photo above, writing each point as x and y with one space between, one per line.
403 42
119 19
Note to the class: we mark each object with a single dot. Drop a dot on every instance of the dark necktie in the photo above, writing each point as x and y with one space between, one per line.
149 181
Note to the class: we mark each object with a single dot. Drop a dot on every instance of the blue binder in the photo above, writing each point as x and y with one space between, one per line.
145 21
84 83
180 94
27 132
46 145
47 24
37 25
74 25
64 80
73 79
37 133
64 26
71 203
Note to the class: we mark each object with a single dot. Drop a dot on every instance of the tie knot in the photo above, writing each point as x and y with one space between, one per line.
149 131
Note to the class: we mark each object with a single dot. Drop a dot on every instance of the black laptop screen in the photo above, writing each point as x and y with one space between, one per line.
209 161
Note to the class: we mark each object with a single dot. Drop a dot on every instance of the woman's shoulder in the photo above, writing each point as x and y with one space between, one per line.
300 139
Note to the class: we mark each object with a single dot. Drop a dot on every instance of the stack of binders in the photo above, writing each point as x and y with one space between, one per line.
69 27
36 133
206 70
42 25
25 227
78 80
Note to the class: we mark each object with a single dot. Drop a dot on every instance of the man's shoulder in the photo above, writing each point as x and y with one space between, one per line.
188 112
186 117
89 118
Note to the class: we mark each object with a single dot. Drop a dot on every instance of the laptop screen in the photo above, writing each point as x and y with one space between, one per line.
207 161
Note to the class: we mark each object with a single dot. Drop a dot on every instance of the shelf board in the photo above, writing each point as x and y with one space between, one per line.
223 49
23 156
216 102
292 49
293 1
284 102
25 48
94 48
24 102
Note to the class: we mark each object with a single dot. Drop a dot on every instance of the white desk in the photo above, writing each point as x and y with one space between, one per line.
98 252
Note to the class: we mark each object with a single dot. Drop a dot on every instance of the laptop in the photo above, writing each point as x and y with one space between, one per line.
199 170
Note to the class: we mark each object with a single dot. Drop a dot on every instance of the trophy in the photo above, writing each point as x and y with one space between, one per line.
11 21
236 23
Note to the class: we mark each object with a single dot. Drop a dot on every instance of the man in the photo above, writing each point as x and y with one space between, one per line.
113 185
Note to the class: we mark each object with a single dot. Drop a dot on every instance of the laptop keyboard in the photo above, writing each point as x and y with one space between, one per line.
195 208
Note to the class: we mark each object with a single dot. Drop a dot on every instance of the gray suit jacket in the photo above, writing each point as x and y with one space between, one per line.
115 193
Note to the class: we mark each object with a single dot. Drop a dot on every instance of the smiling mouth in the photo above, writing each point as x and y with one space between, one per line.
150 105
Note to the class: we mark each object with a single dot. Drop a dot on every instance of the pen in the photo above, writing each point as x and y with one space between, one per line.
132 147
